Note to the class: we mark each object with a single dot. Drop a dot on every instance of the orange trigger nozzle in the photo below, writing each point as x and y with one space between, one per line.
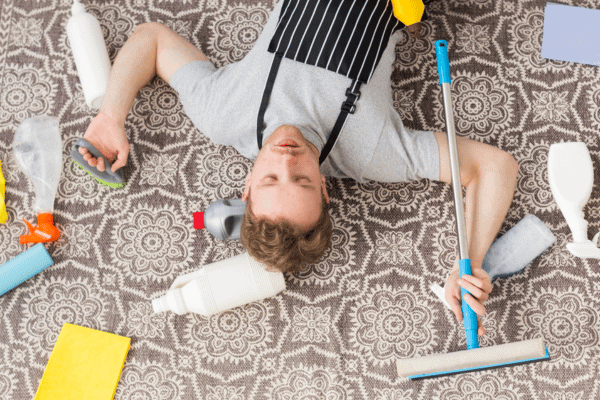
43 233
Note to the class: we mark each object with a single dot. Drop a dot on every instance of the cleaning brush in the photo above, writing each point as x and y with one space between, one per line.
106 177
473 358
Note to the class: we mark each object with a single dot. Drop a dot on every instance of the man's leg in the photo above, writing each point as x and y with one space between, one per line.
490 177
152 50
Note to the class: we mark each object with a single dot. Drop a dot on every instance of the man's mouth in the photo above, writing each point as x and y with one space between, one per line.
290 143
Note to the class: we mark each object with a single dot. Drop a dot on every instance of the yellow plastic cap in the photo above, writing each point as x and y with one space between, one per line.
408 11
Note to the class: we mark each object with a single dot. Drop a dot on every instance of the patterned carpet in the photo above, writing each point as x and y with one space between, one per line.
337 330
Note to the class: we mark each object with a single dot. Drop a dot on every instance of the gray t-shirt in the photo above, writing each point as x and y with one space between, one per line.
373 145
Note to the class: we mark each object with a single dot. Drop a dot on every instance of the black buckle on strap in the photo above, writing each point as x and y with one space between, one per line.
349 107
355 94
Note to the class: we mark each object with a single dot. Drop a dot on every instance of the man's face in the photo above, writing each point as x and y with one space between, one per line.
285 181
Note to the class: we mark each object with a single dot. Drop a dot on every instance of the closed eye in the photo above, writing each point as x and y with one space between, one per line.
271 179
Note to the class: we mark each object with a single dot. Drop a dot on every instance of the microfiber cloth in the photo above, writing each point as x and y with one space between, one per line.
85 364
571 34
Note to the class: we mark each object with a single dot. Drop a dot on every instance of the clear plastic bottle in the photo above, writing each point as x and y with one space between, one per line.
221 286
38 150
90 54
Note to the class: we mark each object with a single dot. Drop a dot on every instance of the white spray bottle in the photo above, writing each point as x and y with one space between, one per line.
221 286
571 176
90 54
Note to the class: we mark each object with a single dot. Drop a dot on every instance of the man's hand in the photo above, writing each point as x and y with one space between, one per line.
110 139
480 287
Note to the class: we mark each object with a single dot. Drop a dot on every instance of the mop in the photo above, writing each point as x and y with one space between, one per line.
474 358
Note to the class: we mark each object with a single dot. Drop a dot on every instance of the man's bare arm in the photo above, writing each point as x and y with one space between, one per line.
490 177
153 49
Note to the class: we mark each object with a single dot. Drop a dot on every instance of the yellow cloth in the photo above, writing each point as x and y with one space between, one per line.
85 364
3 214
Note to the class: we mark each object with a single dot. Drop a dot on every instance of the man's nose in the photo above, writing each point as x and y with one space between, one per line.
289 158
288 165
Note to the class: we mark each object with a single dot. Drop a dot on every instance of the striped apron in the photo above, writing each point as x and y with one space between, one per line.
344 36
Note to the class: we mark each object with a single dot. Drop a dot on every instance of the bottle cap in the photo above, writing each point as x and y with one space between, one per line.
77 8
199 220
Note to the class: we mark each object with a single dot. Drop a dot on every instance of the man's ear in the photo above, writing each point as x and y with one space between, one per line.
324 188
247 187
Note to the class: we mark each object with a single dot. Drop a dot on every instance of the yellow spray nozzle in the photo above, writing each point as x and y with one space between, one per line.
408 11
3 214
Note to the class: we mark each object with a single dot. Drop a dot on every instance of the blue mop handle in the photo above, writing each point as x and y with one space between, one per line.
441 51
469 316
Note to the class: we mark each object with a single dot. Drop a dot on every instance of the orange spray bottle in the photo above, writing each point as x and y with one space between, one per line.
38 150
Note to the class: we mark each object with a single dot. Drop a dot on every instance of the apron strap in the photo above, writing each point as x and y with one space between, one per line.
265 99
348 107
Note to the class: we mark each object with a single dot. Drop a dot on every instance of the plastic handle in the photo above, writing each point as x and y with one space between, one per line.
469 316
441 50
107 177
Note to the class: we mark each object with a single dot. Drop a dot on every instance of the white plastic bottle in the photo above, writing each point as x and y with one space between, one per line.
571 177
221 286
90 54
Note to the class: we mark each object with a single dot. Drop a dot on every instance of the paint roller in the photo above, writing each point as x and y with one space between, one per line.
474 358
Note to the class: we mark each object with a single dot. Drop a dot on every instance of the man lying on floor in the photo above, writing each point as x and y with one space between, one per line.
316 68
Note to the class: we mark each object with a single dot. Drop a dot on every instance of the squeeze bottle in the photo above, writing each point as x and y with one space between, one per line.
220 286
222 218
90 54
38 150
571 178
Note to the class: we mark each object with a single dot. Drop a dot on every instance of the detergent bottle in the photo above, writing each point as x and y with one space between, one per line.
90 54
222 218
221 286
38 150
571 177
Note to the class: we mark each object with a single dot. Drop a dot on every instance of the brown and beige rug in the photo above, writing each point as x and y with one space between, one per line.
337 330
